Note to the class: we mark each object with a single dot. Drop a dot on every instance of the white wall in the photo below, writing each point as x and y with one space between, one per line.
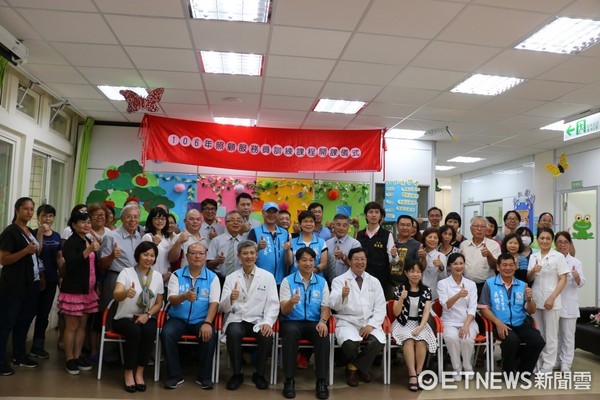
114 145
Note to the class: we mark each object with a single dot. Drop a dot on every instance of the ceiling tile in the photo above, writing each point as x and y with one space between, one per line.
487 26
94 55
155 8
19 27
172 80
399 18
148 31
239 37
459 100
224 99
184 96
330 14
163 59
283 115
454 56
389 110
402 95
582 9
59 26
173 109
56 73
383 49
366 73
542 90
94 105
41 53
586 95
288 103
349 91
232 83
64 5
576 69
292 87
298 67
521 63
557 110
112 76
73 91
250 111
547 6
107 116
290 41
370 121
263 123
509 105
422 78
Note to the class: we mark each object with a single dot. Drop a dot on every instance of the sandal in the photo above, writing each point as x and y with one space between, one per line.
413 386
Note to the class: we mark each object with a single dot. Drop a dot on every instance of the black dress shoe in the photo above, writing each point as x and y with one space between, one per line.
351 377
260 381
140 387
289 389
129 388
363 376
322 391
235 382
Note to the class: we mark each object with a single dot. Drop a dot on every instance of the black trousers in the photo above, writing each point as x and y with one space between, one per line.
238 330
139 339
528 353
362 359
291 332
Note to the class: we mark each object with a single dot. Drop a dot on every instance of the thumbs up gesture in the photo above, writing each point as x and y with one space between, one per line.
438 263
287 245
117 251
394 251
156 239
528 292
484 251
191 294
262 243
463 291
403 293
235 293
131 291
93 246
31 248
212 234
575 273
295 299
421 253
345 290
537 268
220 258
183 237
338 253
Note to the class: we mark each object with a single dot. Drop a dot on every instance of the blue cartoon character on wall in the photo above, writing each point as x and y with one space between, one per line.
581 226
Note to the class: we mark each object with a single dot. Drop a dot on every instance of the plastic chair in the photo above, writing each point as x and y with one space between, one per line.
186 339
489 327
480 340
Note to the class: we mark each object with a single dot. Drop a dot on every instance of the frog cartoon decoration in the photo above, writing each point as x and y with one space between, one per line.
581 226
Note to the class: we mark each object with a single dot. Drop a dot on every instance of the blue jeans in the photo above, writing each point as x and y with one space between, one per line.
171 333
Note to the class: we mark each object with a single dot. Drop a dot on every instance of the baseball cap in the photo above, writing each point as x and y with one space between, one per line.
270 204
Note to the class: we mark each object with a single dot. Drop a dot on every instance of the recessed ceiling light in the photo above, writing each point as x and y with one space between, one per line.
216 62
486 85
466 160
232 10
444 167
339 106
404 134
235 121
564 36
557 126
112 92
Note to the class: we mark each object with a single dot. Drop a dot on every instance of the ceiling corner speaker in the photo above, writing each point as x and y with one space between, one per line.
440 133
12 48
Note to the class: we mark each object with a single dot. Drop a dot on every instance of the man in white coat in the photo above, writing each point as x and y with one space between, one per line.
251 305
360 303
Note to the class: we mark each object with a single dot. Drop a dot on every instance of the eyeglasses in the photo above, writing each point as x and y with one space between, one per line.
562 242
159 219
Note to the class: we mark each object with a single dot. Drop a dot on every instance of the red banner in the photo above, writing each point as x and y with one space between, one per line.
260 149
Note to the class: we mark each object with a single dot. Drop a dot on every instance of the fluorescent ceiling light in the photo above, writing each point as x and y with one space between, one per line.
216 62
466 160
557 126
486 85
232 10
112 92
235 121
339 106
444 167
404 134
564 36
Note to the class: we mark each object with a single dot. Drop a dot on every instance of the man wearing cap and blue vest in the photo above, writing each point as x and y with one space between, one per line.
274 246
194 293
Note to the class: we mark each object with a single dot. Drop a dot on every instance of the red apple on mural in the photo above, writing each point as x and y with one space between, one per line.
141 180
112 173
109 203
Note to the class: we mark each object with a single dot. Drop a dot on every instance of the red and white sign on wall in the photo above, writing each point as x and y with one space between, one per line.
260 149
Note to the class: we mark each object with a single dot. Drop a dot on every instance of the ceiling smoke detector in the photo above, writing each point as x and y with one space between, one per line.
440 133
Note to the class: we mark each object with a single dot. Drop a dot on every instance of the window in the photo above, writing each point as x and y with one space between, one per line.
6 170
60 122
28 101
47 183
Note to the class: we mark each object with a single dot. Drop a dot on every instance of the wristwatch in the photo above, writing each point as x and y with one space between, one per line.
149 316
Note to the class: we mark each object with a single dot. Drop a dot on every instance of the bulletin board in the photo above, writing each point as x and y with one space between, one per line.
401 198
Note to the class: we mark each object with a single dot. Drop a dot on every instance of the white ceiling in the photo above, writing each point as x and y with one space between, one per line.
402 57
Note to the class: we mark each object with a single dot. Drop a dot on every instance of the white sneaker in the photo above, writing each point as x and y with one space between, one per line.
565 368
456 376
469 375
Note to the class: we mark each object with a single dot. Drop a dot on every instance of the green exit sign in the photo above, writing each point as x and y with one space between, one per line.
576 184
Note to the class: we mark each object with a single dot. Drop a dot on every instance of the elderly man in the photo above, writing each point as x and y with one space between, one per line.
274 247
194 293
210 228
361 308
251 305
480 253
117 250
305 310
222 252
339 246
191 234
507 302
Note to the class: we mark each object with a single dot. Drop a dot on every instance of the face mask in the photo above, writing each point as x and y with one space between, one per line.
526 240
